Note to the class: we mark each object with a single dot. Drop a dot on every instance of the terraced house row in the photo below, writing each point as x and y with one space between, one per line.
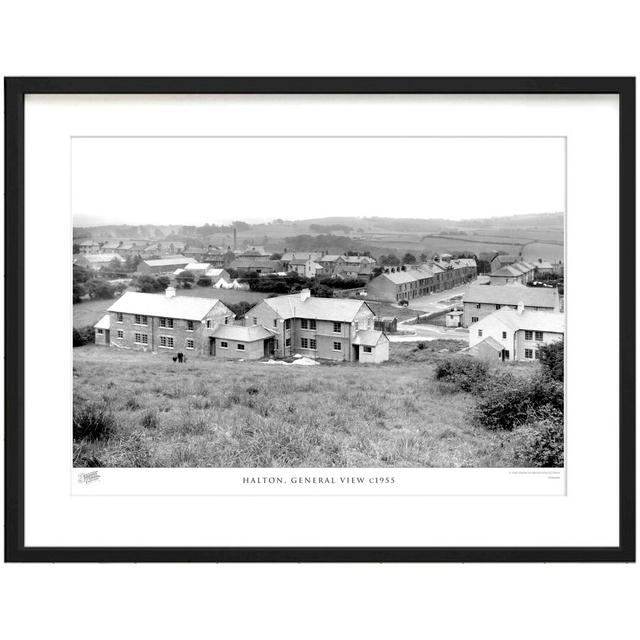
406 283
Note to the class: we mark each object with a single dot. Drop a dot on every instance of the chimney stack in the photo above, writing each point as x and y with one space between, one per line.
170 292
520 308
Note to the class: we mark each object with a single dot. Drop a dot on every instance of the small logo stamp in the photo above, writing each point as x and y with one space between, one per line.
88 477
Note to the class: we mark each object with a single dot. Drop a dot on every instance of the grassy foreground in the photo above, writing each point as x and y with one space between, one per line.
210 413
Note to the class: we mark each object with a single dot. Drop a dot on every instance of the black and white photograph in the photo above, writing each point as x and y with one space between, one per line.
318 301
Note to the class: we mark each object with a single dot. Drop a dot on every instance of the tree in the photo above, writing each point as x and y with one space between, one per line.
185 279
78 292
163 281
150 284
275 256
377 271
409 258
100 289
204 281
423 257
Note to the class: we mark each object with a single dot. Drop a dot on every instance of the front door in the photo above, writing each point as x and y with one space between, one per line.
107 336
212 346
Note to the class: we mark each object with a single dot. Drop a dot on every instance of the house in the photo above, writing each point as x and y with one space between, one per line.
305 267
97 260
344 266
217 274
498 261
453 318
87 246
516 334
242 342
480 300
163 323
544 268
163 265
129 249
110 246
521 271
288 256
331 328
396 284
259 264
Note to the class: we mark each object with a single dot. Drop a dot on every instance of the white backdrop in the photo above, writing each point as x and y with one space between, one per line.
285 38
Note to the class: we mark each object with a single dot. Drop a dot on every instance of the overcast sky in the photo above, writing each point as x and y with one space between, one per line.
217 180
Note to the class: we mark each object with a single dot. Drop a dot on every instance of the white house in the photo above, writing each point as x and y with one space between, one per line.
516 334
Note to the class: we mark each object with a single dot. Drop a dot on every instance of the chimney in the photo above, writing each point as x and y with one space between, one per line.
304 294
520 308
170 292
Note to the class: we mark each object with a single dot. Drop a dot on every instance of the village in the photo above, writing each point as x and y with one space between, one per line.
318 306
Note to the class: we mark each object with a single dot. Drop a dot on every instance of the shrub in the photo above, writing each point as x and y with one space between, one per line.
465 373
540 444
509 402
83 336
204 281
552 359
150 419
92 422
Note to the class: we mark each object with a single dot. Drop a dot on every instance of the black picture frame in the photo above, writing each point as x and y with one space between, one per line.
15 91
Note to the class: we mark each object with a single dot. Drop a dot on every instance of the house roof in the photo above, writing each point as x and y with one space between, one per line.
369 337
491 342
505 259
111 245
508 271
303 255
543 265
198 266
212 273
104 322
240 333
253 262
313 308
410 275
512 294
101 257
168 262
529 320
330 257
159 305
299 260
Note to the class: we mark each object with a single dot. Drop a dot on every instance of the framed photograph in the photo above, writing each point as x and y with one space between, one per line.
320 319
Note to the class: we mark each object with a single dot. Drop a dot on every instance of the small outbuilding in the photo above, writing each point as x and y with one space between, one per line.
371 346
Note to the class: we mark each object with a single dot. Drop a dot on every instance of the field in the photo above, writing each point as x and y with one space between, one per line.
90 311
250 414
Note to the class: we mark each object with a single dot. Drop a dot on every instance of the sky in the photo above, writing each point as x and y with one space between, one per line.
216 180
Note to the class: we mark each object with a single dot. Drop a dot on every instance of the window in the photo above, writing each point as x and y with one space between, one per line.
337 327
312 325
504 335
480 333
189 325
539 335
275 323
166 342
312 344
304 343
226 319
287 324
100 332
190 343
304 324
367 349
528 353
141 338
140 319
528 335
287 342
474 318
240 347
166 323
276 344
208 324
255 321
478 306
120 335
224 344
536 354
120 317
337 346
498 306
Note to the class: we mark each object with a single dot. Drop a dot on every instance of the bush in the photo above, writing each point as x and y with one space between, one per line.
510 402
552 360
540 444
92 422
151 284
466 374
82 336
204 281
